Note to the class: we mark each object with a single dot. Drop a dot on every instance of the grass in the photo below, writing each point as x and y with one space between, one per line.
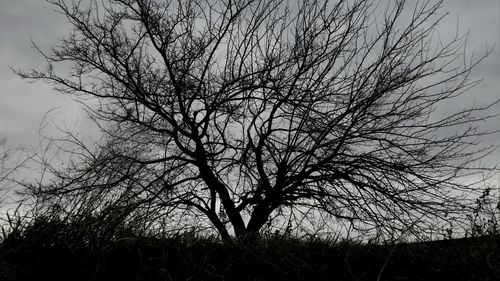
60 251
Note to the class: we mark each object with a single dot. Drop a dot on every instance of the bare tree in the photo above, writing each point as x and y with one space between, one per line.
11 161
5 171
239 112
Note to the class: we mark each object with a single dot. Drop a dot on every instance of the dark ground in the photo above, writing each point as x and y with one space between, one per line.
62 253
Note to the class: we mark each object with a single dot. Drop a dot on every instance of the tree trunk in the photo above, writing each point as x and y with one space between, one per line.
259 217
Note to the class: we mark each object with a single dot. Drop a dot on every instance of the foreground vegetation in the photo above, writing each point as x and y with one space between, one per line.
62 251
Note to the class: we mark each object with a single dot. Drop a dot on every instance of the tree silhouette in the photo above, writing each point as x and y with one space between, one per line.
242 113
12 160
5 170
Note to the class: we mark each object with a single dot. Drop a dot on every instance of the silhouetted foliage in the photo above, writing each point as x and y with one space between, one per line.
244 116
50 250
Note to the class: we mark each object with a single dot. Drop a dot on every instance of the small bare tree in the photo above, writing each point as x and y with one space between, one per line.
241 112
4 170
11 161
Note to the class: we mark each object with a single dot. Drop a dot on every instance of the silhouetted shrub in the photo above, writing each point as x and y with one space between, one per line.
59 250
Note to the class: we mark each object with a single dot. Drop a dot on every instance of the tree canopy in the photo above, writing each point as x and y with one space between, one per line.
240 115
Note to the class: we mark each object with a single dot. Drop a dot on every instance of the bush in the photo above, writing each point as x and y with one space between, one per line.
59 250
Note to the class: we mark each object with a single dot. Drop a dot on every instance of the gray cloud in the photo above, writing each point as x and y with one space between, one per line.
23 105
481 18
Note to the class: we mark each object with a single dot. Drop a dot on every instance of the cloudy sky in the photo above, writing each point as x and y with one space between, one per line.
23 105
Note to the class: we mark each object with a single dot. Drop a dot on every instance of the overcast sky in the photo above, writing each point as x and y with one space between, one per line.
23 105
